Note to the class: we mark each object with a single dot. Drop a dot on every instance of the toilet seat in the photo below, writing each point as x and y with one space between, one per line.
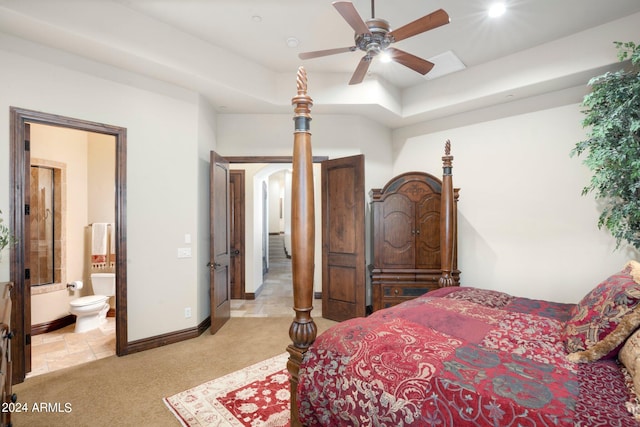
88 300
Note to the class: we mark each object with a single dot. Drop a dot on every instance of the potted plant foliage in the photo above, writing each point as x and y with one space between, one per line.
6 238
612 147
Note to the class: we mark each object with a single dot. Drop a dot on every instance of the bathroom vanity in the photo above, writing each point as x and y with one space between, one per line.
8 398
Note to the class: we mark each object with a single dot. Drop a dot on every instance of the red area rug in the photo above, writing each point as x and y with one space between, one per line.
254 396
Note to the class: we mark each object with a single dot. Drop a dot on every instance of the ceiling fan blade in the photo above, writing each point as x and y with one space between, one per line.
420 25
361 70
319 53
417 64
350 14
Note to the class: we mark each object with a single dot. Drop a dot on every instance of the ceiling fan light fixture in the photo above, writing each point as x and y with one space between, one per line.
385 57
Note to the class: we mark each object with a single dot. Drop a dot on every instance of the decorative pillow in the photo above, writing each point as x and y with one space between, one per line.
629 356
600 313
629 353
610 343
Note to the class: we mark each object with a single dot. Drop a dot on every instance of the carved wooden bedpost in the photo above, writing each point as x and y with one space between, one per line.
447 220
303 330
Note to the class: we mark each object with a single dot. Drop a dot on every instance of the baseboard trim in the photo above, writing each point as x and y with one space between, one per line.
253 295
54 325
168 338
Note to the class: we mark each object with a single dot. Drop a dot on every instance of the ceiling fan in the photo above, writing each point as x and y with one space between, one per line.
374 37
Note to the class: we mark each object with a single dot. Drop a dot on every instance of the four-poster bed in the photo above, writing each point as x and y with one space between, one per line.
458 355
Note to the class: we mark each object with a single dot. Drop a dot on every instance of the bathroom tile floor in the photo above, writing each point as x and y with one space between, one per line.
64 348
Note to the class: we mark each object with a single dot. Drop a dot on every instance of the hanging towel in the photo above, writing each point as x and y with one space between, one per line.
112 245
99 244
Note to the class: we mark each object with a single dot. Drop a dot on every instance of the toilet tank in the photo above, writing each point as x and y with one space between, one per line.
103 284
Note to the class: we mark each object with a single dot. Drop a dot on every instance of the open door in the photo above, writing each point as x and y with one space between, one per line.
26 259
343 239
236 194
219 264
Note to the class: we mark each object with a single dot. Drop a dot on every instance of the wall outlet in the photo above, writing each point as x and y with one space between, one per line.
187 312
184 252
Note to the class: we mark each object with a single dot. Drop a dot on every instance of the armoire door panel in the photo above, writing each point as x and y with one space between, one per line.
397 233
428 232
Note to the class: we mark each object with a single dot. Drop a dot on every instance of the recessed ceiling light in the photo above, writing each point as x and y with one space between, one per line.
292 42
256 18
497 9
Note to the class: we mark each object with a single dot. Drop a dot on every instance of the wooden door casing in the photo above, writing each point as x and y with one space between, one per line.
20 262
220 242
343 239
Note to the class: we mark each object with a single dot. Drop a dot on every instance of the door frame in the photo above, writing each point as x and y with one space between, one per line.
21 300
268 160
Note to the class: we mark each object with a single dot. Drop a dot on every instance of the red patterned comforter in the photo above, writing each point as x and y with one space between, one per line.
458 357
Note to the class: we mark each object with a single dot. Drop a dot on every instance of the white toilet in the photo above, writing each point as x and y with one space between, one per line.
91 311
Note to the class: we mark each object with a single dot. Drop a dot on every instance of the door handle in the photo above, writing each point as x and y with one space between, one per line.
236 252
213 266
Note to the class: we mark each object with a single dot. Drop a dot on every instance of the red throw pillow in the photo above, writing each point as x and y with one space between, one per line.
600 312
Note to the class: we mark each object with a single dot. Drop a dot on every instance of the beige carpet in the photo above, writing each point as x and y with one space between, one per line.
128 391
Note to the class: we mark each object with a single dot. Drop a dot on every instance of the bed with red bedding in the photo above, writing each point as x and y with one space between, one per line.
457 357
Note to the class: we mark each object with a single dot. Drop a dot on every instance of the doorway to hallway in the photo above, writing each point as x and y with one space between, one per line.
275 298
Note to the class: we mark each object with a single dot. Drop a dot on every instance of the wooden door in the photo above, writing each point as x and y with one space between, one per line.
220 242
236 190
26 250
343 239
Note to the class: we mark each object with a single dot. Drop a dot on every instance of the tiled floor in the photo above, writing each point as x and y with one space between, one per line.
63 348
276 297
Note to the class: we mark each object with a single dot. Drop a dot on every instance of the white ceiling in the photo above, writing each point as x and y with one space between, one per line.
242 64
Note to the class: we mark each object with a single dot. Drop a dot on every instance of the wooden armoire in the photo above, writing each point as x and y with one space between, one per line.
406 255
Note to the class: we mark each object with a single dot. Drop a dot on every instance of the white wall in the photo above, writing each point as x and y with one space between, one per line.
164 177
201 242
524 227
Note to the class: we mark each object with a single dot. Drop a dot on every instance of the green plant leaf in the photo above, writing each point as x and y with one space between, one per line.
612 147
